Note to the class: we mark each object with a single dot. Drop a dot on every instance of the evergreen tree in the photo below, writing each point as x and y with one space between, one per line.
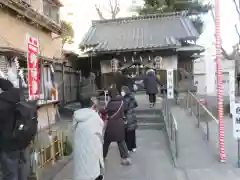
193 8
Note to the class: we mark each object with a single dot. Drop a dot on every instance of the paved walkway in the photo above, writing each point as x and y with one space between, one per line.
193 150
230 141
151 161
198 157
197 160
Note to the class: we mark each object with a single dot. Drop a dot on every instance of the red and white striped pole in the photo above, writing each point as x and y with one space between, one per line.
222 154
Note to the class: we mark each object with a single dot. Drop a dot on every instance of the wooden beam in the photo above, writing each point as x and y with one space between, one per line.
32 15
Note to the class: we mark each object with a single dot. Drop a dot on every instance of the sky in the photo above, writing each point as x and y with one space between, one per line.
82 12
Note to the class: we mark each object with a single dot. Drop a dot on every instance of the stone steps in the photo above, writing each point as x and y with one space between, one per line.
150 119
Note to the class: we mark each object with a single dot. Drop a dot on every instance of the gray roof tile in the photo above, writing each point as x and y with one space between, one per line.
155 31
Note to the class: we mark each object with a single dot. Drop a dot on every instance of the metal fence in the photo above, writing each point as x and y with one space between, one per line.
171 127
197 108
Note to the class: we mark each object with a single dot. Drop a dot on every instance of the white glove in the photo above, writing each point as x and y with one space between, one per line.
135 87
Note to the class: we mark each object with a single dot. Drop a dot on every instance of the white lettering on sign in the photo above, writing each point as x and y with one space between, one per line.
33 67
170 85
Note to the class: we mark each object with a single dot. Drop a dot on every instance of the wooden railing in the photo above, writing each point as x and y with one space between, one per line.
48 147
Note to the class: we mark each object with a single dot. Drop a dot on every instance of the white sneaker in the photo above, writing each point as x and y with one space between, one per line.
134 150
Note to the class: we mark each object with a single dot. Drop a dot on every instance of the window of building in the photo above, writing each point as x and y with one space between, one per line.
51 10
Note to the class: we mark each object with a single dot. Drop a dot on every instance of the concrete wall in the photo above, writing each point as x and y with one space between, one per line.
13 34
200 76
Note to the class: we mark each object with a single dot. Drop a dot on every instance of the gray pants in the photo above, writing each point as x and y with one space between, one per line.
13 165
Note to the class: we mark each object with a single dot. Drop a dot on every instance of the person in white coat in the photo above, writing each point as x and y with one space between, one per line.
87 143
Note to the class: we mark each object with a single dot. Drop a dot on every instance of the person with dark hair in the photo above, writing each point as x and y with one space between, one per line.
130 104
87 142
115 128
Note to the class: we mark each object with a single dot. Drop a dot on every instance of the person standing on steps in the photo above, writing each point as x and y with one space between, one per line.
151 82
130 104
115 127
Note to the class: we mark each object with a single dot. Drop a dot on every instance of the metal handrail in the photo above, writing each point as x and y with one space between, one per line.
200 111
171 127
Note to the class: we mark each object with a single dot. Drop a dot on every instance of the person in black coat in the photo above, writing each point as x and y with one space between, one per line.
151 83
8 98
122 80
12 163
115 129
130 104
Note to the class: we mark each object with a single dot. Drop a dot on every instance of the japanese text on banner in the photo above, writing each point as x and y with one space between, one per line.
33 68
170 84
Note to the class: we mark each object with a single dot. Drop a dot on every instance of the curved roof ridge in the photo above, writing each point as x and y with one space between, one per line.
141 17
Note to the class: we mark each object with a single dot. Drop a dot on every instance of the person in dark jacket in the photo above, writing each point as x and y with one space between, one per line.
122 80
151 82
115 130
12 163
130 104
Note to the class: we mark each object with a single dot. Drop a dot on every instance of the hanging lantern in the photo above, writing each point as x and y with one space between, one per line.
114 65
149 58
158 62
132 59
124 59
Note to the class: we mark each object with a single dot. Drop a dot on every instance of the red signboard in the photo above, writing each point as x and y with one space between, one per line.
33 68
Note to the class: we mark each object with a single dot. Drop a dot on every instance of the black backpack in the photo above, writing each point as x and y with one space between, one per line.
25 126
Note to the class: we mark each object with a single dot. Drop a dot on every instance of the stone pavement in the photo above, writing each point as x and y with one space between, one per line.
152 160
198 158
193 150
230 141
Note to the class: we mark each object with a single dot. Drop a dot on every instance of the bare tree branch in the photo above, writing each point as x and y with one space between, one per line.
113 9
117 7
235 3
111 6
97 7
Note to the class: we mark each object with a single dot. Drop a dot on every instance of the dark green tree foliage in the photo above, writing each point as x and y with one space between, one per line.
193 8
